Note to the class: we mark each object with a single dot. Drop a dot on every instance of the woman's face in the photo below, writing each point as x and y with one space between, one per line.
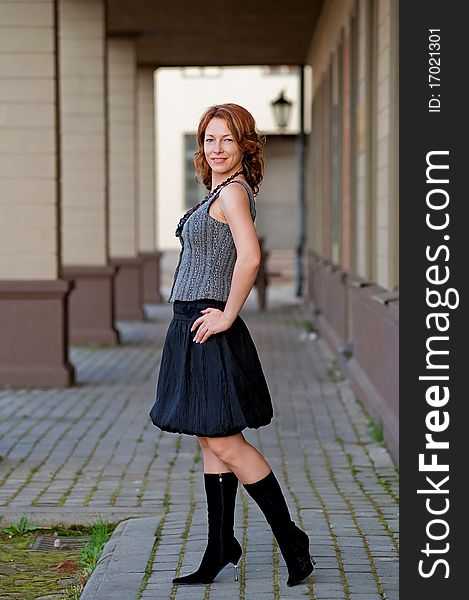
221 150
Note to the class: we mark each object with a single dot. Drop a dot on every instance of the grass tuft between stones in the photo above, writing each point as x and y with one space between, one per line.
31 574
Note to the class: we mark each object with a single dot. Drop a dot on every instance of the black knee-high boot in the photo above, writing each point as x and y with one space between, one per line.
222 546
292 541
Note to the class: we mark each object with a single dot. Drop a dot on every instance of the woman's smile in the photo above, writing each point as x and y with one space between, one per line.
221 150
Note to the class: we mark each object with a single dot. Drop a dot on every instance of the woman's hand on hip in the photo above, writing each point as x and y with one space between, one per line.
213 321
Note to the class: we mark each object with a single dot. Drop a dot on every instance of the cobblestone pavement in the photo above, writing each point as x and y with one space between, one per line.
69 455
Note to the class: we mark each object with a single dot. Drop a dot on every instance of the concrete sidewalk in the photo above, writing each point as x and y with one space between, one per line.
70 455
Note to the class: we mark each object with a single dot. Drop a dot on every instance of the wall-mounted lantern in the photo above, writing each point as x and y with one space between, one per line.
282 110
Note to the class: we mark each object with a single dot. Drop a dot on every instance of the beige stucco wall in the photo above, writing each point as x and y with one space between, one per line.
334 16
82 47
176 115
28 162
277 203
375 218
386 272
382 140
363 190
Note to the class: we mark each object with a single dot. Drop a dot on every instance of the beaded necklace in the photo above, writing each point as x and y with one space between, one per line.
188 213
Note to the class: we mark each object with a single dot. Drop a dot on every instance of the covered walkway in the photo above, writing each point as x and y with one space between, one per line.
73 453
79 243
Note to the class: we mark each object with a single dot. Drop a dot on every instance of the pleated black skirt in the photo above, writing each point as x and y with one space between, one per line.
212 389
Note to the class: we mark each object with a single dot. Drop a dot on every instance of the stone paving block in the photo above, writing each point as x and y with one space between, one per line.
327 595
365 596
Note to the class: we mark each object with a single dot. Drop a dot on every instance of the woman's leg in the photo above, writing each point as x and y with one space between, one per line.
212 464
221 486
261 484
239 456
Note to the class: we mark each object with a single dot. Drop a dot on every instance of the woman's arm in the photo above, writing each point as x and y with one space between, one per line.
235 206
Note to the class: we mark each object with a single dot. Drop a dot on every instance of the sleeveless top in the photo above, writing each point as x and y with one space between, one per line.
208 255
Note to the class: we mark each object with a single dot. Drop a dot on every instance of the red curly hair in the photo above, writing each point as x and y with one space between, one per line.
241 124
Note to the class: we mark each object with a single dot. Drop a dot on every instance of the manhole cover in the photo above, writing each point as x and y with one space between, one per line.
53 542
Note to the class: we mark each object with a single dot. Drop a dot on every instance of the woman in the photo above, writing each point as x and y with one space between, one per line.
211 382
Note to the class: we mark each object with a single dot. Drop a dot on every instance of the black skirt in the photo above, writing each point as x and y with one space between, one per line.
212 389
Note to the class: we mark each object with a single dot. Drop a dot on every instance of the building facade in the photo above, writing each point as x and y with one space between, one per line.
352 260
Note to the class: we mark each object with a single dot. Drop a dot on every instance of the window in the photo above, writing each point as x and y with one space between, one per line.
280 70
194 192
196 72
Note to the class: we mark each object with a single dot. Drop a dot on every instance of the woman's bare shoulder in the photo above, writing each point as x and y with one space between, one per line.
236 191
234 200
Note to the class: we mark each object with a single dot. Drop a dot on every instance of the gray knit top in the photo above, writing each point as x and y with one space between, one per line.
208 255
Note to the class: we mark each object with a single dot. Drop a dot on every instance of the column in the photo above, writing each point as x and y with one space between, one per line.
33 297
123 206
82 67
346 188
387 131
363 144
146 185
